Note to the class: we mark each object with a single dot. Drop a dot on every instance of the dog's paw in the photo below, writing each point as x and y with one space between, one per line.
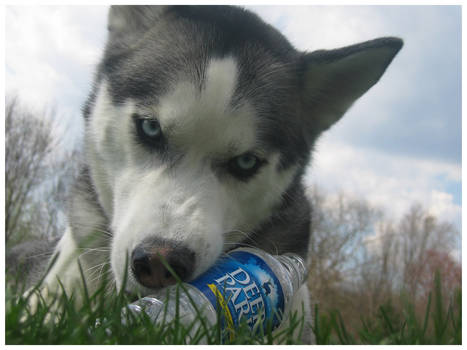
34 297
39 299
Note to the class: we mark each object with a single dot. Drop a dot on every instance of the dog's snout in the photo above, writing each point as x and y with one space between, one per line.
149 264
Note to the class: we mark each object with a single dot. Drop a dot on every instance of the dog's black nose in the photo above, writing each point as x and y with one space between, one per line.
148 263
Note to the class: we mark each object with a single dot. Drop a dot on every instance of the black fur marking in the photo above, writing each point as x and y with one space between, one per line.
288 228
162 45
190 36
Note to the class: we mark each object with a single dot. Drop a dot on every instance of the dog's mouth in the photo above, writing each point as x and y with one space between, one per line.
232 247
235 239
132 296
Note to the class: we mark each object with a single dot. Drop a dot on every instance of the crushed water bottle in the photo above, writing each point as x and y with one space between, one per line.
245 284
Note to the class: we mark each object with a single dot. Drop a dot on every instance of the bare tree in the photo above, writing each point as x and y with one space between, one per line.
34 169
405 257
362 259
377 280
420 233
339 226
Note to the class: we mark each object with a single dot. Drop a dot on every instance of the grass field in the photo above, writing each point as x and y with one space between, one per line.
441 324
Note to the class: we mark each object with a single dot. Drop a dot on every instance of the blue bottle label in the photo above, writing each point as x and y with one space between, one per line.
244 287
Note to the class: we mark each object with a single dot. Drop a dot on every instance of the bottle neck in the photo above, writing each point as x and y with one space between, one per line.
296 267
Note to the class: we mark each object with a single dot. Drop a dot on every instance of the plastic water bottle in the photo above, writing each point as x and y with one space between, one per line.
245 284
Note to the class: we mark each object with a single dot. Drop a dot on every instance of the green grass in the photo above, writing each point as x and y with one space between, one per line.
440 324
77 325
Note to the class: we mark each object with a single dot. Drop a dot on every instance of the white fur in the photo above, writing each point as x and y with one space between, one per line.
142 195
204 122
63 268
189 202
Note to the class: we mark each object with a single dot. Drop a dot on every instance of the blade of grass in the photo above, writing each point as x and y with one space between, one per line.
438 319
427 315
36 287
386 320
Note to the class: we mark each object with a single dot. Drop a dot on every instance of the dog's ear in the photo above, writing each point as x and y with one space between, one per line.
126 24
334 79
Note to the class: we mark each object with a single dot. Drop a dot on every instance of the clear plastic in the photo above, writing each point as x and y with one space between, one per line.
245 290
160 312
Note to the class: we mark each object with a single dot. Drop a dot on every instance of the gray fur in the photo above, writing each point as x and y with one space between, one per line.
161 43
27 261
295 95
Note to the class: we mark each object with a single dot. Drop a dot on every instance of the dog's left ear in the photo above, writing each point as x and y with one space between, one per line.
335 79
126 24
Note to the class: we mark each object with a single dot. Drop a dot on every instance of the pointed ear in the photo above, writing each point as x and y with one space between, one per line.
335 79
127 23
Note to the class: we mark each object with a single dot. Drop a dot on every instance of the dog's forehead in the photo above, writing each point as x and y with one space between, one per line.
230 82
209 117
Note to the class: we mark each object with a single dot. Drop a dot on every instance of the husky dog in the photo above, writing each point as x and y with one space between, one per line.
199 127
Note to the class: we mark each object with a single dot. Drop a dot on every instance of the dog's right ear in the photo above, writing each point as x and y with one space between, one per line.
334 79
126 24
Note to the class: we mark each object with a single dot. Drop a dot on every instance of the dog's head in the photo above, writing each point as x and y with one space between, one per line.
200 120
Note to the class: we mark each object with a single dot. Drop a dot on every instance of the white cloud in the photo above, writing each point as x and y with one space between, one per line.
45 45
456 255
387 178
324 27
417 100
50 54
388 181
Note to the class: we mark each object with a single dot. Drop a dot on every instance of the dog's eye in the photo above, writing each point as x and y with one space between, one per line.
244 166
151 128
246 161
149 131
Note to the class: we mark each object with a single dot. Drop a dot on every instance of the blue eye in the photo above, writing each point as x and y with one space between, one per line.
149 132
151 128
244 166
246 161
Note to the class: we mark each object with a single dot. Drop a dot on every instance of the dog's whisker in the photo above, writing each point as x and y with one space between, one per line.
87 251
90 251
101 273
50 253
96 231
110 288
249 236
105 232
97 249
232 232
96 266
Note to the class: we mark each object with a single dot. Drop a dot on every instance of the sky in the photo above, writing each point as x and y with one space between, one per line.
399 144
